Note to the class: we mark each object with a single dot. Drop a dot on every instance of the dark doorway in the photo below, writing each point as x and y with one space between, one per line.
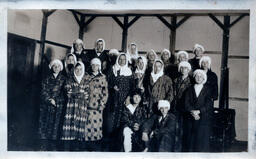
22 105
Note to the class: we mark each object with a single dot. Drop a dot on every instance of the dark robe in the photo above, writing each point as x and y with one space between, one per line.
171 70
163 139
197 132
103 58
194 64
212 82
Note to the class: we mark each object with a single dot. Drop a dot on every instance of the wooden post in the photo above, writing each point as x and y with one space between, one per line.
224 88
81 27
125 33
173 35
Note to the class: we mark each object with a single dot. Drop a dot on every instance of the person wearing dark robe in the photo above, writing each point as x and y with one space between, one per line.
158 132
69 64
121 83
151 57
51 107
198 115
212 79
157 87
78 49
99 52
170 69
198 50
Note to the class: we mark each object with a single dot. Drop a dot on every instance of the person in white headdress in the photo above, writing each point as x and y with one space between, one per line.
198 51
99 52
182 56
78 49
51 106
159 131
198 115
112 55
69 64
140 72
121 83
151 57
158 86
132 55
170 69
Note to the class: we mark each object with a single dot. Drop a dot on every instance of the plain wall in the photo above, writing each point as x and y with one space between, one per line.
148 33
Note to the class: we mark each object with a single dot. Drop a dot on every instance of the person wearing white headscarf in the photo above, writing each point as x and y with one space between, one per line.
98 95
121 83
198 50
99 52
78 49
51 105
158 86
132 55
69 64
198 110
75 116
159 131
212 79
182 56
170 69
113 54
140 72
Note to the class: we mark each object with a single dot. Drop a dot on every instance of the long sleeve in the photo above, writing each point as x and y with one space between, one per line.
104 92
45 94
169 89
148 124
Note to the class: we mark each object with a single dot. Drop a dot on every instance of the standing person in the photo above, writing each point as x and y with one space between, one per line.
170 69
198 50
98 95
69 63
76 89
121 84
78 49
112 56
52 105
180 86
158 132
140 72
158 87
132 55
212 79
133 118
182 56
99 52
199 111
151 57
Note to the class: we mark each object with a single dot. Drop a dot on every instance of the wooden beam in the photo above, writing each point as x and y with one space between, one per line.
76 17
133 21
182 21
173 36
125 34
81 27
89 21
237 20
166 22
118 21
216 20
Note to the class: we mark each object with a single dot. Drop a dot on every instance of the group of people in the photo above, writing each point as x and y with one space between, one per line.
126 102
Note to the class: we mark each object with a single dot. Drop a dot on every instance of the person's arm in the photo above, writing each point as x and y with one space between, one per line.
45 92
126 120
104 93
169 89
207 106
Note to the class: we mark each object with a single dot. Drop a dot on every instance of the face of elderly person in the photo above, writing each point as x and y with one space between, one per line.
70 60
199 78
151 56
205 65
133 49
184 70
122 60
100 46
182 57
95 68
78 70
78 46
140 63
198 52
158 67
165 56
56 68
136 99
164 110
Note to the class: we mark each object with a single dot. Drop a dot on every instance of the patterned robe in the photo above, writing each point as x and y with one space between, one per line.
50 115
98 96
75 114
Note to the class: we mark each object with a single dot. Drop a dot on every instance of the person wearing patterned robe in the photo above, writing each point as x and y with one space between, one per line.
52 104
170 69
76 89
121 83
98 95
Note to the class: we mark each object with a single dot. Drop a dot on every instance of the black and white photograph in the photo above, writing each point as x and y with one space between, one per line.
129 80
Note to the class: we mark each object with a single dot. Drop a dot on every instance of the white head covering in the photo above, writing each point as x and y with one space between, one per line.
205 58
124 70
56 61
163 103
79 78
77 41
133 56
145 61
202 72
103 41
166 50
159 74
182 52
96 61
184 64
198 46
152 51
114 52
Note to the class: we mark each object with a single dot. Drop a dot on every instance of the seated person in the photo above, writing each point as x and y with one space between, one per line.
159 131
133 118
